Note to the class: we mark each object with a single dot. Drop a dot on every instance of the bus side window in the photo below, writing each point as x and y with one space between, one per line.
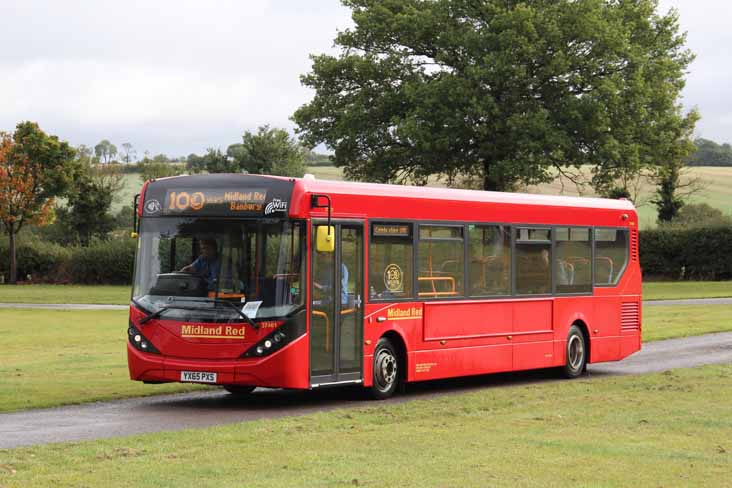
390 261
441 261
490 260
572 260
533 261
611 255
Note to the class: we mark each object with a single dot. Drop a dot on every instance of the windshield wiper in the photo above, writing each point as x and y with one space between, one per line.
156 314
238 310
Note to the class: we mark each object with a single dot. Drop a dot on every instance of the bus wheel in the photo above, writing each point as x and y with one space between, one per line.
386 370
239 390
576 353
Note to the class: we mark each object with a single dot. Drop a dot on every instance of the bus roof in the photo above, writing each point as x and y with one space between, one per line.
312 185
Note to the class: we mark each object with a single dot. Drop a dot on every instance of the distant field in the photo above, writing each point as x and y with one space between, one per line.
132 186
716 182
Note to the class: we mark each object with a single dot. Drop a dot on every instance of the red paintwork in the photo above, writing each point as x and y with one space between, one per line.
442 338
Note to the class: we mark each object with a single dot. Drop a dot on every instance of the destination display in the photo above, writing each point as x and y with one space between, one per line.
394 230
218 195
216 200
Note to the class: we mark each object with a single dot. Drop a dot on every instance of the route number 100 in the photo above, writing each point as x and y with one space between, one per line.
183 200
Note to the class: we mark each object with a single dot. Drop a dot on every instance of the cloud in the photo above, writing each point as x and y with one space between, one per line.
168 76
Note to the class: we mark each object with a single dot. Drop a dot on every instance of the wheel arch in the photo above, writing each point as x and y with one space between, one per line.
582 326
401 349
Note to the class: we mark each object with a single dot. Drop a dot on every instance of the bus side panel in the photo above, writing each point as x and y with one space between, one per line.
446 363
533 330
605 343
451 320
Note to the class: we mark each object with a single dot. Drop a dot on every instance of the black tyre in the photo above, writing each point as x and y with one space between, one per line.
576 353
239 390
386 374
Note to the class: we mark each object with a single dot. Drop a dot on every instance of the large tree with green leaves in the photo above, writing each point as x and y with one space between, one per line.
35 168
504 90
269 151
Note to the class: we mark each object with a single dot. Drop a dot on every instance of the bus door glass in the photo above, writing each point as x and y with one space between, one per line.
336 321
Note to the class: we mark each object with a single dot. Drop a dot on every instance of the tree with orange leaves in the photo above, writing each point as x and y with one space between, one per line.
35 168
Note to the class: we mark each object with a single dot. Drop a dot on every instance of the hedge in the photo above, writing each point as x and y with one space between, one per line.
108 262
693 254
104 262
39 259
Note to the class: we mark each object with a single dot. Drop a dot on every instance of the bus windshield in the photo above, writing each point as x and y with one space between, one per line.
191 265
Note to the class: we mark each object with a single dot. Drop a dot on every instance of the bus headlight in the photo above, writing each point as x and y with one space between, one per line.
139 341
293 328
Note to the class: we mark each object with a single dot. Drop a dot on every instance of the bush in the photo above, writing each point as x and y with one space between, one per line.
104 262
699 254
44 261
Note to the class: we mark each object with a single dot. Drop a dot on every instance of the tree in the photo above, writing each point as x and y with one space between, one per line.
105 151
151 169
214 161
700 215
709 153
35 168
500 90
86 215
269 151
128 152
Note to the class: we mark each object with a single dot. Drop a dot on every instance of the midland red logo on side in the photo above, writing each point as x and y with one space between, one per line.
219 332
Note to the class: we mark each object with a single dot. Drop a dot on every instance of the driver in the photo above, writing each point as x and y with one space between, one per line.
207 263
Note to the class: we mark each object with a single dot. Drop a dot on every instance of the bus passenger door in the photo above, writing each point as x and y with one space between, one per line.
336 319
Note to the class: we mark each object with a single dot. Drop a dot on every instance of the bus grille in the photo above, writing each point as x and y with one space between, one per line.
634 245
630 316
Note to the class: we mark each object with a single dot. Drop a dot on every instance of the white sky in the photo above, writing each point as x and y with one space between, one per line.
178 76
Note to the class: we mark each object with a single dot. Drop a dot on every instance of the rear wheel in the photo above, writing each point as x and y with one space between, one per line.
239 390
386 374
576 353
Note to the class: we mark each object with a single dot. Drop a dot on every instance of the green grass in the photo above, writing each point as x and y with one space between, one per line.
670 290
685 320
669 429
59 357
102 294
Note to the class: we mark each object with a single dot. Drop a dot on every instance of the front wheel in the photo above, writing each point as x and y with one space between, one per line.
576 353
386 370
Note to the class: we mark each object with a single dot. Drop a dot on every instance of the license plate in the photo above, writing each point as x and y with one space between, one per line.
197 377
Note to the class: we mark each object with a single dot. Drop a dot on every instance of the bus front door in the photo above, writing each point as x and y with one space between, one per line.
336 319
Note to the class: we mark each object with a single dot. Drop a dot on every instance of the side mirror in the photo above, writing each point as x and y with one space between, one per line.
325 238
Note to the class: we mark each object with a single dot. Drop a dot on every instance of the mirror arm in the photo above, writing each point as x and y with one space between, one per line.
314 203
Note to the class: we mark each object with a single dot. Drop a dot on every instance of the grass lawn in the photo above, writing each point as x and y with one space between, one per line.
685 320
669 429
669 290
58 357
106 294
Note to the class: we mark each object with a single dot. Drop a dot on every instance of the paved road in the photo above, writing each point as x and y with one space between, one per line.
83 306
174 412
689 301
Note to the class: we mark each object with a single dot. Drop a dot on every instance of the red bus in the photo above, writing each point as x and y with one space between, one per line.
254 281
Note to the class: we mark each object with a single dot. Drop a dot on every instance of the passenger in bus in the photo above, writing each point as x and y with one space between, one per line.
206 264
324 285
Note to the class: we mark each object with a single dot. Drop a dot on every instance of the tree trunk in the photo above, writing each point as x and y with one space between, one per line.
489 180
13 279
